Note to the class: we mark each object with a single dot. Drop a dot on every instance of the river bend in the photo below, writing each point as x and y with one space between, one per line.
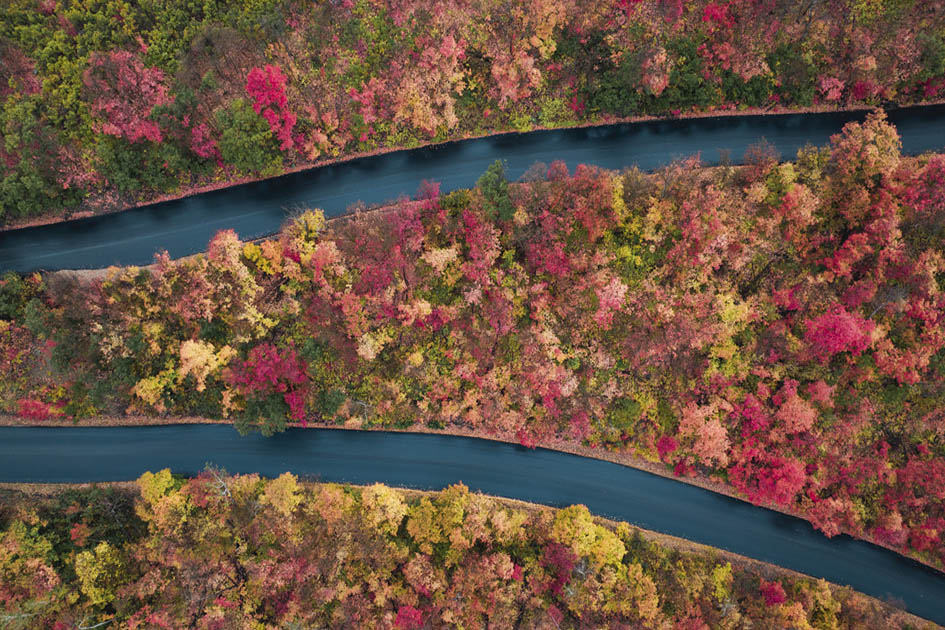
424 461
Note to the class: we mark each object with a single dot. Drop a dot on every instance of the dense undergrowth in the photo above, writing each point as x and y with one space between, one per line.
106 103
219 552
778 326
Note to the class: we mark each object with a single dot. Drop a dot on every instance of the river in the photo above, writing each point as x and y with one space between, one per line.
83 454
184 226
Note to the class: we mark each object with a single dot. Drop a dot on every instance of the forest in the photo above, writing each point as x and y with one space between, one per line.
778 326
109 103
219 552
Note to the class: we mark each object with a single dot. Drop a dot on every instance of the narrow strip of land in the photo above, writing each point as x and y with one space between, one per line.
184 226
70 455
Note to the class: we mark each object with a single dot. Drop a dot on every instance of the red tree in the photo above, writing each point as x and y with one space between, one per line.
124 92
837 331
269 370
773 592
408 618
267 87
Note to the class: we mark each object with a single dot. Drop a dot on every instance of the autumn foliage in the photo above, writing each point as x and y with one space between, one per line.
126 93
838 331
778 327
269 372
267 87
223 552
102 106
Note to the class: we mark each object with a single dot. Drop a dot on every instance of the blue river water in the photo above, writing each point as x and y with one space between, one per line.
184 226
60 455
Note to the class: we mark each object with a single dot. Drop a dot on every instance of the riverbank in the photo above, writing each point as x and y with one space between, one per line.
185 226
699 480
503 347
214 183
12 496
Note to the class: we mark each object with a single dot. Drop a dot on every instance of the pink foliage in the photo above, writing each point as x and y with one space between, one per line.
796 415
797 213
864 89
408 227
550 258
525 438
576 105
269 370
517 572
124 92
928 535
267 87
711 440
786 298
853 250
367 97
672 10
35 409
558 171
66 25
831 88
580 425
692 619
296 402
515 74
773 592
665 446
428 190
610 300
203 144
560 560
482 239
859 293
627 7
838 331
718 15
79 534
683 468
656 72
889 529
18 73
408 618
224 248
822 393
767 478
925 193
590 196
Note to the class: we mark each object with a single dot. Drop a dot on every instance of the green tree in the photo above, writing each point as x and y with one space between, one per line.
30 186
130 167
932 59
247 142
16 291
494 186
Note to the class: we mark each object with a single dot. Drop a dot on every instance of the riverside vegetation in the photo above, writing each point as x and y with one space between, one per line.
104 104
227 553
779 326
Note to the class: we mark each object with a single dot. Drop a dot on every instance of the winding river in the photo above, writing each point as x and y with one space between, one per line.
61 455
184 226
